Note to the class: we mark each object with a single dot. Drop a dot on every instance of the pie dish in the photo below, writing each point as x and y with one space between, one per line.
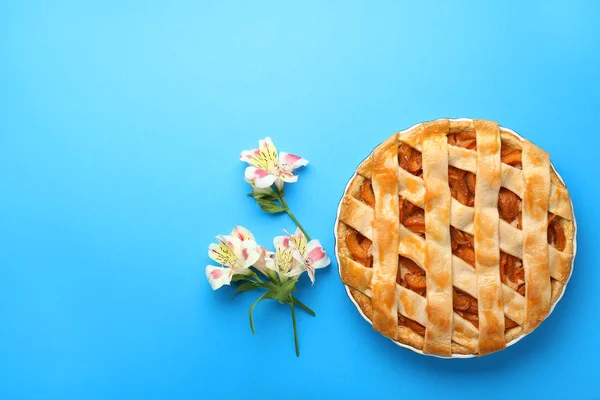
455 237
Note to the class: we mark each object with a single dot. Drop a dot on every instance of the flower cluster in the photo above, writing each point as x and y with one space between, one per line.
239 251
241 257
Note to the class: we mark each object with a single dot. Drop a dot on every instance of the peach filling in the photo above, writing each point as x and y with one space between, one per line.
463 139
360 248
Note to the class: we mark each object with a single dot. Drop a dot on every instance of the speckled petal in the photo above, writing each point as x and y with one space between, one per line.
265 157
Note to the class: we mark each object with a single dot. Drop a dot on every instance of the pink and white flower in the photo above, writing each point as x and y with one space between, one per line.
311 256
283 261
267 167
235 252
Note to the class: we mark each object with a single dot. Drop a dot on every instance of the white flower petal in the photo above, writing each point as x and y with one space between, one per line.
233 242
259 177
289 178
264 258
298 257
230 241
291 162
242 233
270 263
316 256
218 276
267 190
281 242
311 274
294 273
279 184
250 253
249 156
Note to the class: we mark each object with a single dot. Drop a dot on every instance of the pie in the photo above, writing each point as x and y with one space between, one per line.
456 237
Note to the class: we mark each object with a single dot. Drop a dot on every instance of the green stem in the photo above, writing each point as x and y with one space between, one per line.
287 210
295 331
281 198
252 309
267 285
304 307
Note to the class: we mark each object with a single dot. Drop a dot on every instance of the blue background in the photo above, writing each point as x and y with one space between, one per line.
121 125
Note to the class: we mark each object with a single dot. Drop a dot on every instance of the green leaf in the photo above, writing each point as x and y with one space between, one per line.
267 285
239 277
304 307
270 206
245 287
271 295
267 295
266 193
267 200
261 196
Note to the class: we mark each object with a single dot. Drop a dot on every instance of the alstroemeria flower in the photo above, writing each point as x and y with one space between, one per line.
310 255
236 253
283 261
266 167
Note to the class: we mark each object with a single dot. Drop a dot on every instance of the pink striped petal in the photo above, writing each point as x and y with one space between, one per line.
316 256
266 145
242 233
280 242
225 252
264 157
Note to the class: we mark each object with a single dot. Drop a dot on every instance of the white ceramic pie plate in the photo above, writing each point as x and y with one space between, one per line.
337 220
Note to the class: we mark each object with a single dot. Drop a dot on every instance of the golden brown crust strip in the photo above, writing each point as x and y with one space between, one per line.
385 237
355 275
486 239
438 253
536 177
